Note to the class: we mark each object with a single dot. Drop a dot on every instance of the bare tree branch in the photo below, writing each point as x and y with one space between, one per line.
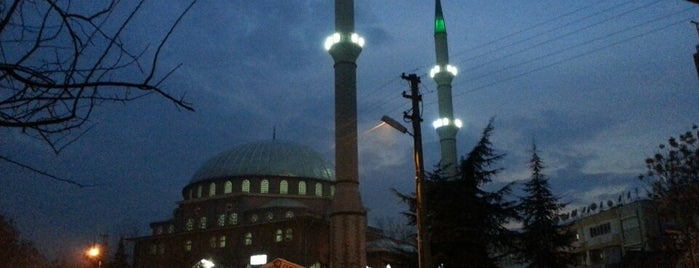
81 185
59 62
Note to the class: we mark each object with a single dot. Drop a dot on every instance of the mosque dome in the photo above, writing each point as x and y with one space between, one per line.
266 158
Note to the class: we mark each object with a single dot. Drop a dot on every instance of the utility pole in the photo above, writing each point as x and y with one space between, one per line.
423 241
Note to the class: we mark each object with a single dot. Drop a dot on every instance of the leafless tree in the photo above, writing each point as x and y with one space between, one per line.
59 61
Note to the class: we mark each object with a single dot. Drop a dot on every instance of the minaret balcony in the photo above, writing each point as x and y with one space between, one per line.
447 122
340 37
446 68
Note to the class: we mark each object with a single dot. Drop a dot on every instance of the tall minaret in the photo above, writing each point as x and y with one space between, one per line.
443 74
347 216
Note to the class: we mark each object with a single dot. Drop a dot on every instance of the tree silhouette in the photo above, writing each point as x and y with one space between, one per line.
465 222
673 177
15 251
543 240
59 61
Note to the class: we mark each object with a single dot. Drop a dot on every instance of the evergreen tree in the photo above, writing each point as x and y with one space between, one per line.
120 259
543 240
466 222
15 251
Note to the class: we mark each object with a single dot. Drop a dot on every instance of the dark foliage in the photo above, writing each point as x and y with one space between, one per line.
466 223
543 240
120 259
673 177
14 251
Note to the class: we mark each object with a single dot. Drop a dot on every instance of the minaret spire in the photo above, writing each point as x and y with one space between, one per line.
443 73
347 215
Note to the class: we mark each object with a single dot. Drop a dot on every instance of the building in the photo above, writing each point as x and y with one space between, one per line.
268 198
620 234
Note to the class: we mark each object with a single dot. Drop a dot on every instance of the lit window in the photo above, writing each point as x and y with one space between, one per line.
189 225
253 218
233 218
212 189
171 229
222 241
269 216
278 236
264 186
202 223
246 186
222 220
283 187
248 239
289 214
288 234
228 187
332 190
212 242
302 188
199 191
319 189
188 245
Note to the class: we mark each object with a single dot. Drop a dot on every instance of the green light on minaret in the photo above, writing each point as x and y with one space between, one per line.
439 25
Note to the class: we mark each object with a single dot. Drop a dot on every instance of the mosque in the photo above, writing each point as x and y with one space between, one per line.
267 198
272 200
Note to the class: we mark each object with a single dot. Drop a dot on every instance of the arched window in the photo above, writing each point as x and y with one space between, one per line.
248 239
278 236
190 193
212 189
189 225
199 191
288 234
188 245
332 190
319 189
283 187
246 186
222 241
233 218
202 223
264 186
302 188
228 187
221 220
212 242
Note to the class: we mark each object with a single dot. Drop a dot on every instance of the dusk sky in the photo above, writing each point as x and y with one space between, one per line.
597 85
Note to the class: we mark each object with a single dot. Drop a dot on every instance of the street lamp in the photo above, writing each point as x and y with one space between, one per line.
423 244
93 253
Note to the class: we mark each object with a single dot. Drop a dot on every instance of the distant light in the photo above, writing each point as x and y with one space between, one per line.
445 122
258 259
438 69
206 263
93 251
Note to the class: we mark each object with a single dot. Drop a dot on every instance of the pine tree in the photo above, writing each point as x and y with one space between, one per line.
120 259
466 222
543 240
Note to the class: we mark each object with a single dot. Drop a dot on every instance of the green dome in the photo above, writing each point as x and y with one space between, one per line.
266 158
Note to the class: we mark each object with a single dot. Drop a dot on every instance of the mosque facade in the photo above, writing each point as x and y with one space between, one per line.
268 199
